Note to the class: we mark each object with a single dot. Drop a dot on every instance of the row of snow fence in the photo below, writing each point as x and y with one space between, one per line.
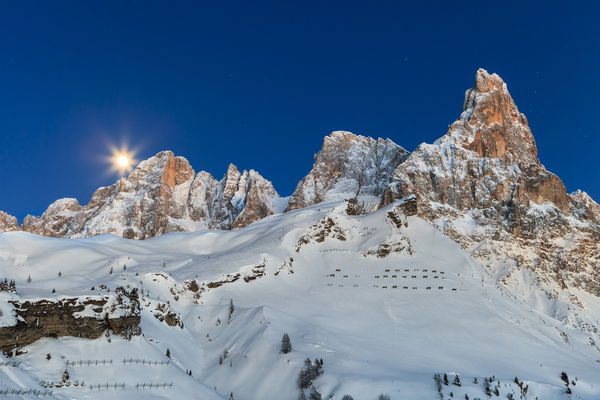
107 386
407 287
145 362
10 364
406 276
144 386
28 392
89 362
60 384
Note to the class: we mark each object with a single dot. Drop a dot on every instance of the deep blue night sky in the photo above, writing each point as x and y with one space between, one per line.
260 84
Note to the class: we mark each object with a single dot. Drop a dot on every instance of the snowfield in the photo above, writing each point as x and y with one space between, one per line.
380 323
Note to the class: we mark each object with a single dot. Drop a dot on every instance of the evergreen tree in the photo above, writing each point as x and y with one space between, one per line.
383 397
446 379
438 385
486 387
314 394
347 397
565 378
457 380
168 353
65 375
301 395
29 279
286 344
231 310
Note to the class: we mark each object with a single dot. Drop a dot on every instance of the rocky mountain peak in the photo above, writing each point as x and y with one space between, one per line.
491 124
8 223
584 206
486 160
163 168
163 194
349 166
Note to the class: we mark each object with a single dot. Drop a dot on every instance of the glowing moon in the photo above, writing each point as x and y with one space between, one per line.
122 160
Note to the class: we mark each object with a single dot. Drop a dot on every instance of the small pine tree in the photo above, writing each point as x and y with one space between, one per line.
466 397
231 396
446 379
29 279
475 381
565 378
111 271
383 397
48 356
314 394
438 385
59 273
457 380
168 353
347 397
53 290
486 387
301 395
65 375
221 359
286 344
231 310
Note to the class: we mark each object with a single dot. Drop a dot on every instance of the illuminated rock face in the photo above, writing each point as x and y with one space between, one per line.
8 223
349 167
163 194
483 185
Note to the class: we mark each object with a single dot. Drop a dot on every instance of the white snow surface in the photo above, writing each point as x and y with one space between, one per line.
335 303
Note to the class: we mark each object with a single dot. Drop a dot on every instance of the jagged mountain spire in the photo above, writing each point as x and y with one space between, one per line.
491 124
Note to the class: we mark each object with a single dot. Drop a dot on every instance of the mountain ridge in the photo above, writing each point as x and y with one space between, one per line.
490 135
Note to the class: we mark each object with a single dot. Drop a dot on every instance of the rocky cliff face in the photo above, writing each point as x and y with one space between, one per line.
483 185
8 223
87 317
349 167
163 194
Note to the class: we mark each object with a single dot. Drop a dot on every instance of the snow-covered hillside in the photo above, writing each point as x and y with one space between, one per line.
386 300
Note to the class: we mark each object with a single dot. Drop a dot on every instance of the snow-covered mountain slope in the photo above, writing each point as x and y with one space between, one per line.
162 194
385 299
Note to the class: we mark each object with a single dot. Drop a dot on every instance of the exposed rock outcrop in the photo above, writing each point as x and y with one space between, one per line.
8 223
163 194
349 166
87 317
